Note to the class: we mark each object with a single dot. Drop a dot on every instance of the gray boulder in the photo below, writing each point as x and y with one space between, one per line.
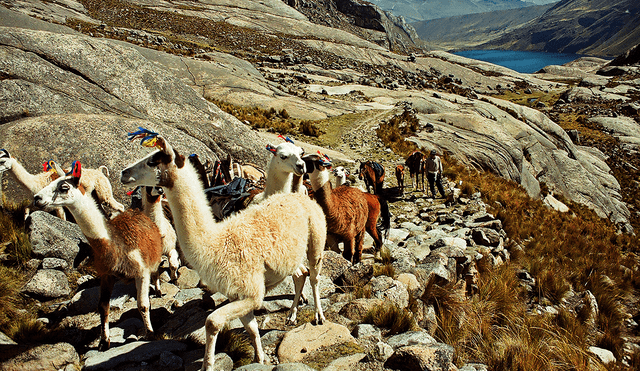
436 357
44 357
390 290
48 284
52 237
135 352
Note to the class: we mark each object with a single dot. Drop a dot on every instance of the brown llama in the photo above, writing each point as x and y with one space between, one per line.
128 246
349 211
400 177
242 256
415 164
373 175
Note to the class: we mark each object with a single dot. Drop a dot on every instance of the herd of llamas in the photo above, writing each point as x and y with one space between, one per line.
283 232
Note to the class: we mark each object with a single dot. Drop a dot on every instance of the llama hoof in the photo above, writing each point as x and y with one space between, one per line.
104 345
292 322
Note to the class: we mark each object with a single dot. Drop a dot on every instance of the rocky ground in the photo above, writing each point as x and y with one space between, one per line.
431 240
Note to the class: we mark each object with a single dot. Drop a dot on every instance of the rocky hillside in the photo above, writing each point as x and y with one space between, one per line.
75 76
363 19
592 27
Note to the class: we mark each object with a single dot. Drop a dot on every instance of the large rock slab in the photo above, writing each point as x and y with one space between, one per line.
304 339
139 351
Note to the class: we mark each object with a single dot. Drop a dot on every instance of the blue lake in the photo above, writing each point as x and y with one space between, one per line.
524 62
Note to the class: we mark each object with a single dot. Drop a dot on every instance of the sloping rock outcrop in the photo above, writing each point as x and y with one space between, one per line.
76 97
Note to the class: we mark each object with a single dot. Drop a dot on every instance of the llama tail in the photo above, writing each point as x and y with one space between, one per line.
385 224
104 169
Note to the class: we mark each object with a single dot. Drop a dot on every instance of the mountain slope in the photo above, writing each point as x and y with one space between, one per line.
422 10
594 27
466 31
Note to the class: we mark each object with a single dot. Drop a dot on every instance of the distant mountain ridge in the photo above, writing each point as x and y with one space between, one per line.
592 27
469 30
422 10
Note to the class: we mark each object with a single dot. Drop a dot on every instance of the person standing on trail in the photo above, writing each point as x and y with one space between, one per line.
433 167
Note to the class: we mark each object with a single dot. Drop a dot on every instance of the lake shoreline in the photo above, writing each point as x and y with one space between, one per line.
519 61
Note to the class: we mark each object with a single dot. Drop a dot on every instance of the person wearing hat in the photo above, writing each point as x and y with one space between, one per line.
433 167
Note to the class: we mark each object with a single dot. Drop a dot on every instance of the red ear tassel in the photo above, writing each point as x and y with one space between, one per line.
271 148
77 169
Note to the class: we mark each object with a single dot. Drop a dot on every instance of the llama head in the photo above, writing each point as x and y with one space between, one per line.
287 158
361 170
158 169
318 166
6 161
341 172
152 194
64 191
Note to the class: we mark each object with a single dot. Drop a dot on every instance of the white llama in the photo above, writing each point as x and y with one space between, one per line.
93 180
246 254
152 207
341 175
284 171
127 246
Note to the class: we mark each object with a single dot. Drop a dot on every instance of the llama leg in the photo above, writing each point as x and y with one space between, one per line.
251 326
349 249
221 316
299 278
174 264
142 287
332 243
106 287
314 271
357 255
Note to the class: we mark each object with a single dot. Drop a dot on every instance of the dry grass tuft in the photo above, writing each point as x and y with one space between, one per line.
271 120
14 240
396 129
237 345
394 319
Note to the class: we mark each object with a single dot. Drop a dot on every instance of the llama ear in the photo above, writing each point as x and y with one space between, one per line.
76 169
4 153
164 146
58 169
271 149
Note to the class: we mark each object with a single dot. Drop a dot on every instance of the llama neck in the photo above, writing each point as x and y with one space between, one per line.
319 179
194 223
277 181
153 210
34 183
89 218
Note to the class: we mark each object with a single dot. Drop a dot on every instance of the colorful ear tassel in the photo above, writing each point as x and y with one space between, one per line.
76 169
286 139
148 137
271 149
324 159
